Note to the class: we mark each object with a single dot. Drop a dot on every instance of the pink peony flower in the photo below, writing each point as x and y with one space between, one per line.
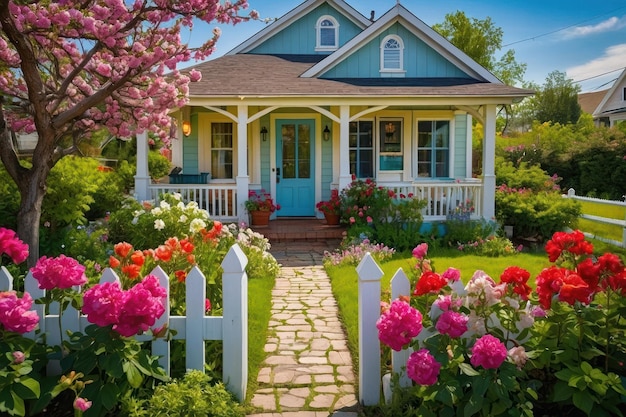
399 325
82 404
488 352
422 367
15 313
452 323
420 251
103 303
18 357
61 272
452 274
518 356
12 246
143 304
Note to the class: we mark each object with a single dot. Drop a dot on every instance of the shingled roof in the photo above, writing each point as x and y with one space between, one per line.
279 76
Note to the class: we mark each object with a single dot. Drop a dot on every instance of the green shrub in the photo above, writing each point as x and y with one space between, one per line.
193 396
9 200
158 165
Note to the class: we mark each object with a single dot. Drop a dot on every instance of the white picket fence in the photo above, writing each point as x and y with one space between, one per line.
571 193
369 345
195 328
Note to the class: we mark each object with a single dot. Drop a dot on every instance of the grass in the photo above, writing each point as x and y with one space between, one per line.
608 231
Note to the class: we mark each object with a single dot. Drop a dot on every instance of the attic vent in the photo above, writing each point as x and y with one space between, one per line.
327 33
391 55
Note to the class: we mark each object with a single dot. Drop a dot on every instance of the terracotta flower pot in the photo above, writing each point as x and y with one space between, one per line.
260 218
332 219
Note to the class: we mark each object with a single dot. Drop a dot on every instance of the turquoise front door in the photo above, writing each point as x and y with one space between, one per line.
295 162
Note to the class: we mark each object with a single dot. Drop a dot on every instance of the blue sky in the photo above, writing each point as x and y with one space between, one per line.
582 38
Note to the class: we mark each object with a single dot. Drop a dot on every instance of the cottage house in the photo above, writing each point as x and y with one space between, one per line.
324 94
612 108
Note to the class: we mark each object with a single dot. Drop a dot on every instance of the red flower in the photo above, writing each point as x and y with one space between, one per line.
589 272
518 277
186 246
617 282
549 282
574 243
574 289
180 275
137 258
429 283
163 253
113 262
122 249
131 271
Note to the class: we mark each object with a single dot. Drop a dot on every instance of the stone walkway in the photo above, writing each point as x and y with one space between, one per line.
308 371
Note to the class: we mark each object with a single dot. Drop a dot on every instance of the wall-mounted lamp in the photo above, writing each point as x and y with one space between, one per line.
264 133
186 127
326 133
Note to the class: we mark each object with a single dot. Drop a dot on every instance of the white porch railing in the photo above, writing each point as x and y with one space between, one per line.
443 197
220 200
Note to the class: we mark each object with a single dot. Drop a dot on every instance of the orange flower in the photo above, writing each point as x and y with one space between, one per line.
146 205
191 259
149 253
122 249
113 262
131 271
137 258
172 242
180 275
186 246
163 253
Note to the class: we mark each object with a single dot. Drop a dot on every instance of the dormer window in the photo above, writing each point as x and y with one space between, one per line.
327 30
392 55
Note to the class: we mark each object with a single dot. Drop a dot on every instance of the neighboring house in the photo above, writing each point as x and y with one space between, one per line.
324 94
612 109
589 101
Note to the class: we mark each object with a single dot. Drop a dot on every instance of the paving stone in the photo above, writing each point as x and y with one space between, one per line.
291 401
322 401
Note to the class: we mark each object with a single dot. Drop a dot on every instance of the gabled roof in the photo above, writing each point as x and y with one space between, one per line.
589 101
617 86
421 30
287 19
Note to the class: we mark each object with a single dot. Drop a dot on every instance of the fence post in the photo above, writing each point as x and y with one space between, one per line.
400 286
235 322
6 280
195 296
31 286
369 346
160 346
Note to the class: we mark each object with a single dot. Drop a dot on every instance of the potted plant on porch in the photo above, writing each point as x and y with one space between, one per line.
260 205
331 208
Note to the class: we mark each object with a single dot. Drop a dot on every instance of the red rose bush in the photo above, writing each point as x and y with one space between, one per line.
491 348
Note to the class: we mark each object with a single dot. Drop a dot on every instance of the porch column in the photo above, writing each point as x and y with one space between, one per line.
243 180
489 159
142 177
344 147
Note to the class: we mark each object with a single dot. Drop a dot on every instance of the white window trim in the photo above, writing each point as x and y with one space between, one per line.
382 55
451 146
318 34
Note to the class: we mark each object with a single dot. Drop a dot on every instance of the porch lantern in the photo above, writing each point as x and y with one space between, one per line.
186 127
264 133
326 133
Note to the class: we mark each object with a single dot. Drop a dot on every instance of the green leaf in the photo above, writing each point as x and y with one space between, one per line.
135 378
473 406
583 401
108 395
468 370
27 388
562 392
18 405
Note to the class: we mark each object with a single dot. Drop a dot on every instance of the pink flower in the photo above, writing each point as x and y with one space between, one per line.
422 367
399 325
452 274
195 75
452 323
420 251
518 356
207 305
446 302
488 352
369 219
143 304
61 272
15 313
12 246
352 220
18 357
82 404
102 303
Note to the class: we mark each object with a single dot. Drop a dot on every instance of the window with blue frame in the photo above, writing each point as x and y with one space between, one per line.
433 149
390 133
361 146
327 35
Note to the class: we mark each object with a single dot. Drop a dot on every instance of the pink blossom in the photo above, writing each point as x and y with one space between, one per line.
352 220
82 404
18 357
452 274
12 246
369 219
207 305
399 325
488 352
61 272
482 289
102 303
195 75
518 356
143 304
15 313
452 323
422 367
420 251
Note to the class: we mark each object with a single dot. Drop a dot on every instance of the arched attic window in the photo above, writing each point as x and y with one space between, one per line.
392 55
327 34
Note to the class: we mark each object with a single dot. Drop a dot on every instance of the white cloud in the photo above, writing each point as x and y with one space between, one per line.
613 59
611 24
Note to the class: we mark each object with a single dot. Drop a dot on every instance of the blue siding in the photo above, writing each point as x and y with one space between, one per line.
190 148
300 36
327 161
420 60
460 145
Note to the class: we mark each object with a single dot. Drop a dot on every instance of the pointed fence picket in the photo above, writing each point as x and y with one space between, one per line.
370 275
195 327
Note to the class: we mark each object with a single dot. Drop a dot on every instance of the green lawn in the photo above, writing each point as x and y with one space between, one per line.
600 229
345 280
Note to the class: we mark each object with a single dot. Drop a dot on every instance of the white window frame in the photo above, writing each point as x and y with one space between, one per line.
623 93
374 145
416 148
383 49
318 33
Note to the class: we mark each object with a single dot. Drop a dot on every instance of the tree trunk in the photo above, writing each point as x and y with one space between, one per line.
28 219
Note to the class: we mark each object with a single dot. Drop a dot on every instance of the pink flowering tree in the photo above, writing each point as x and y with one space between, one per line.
70 68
